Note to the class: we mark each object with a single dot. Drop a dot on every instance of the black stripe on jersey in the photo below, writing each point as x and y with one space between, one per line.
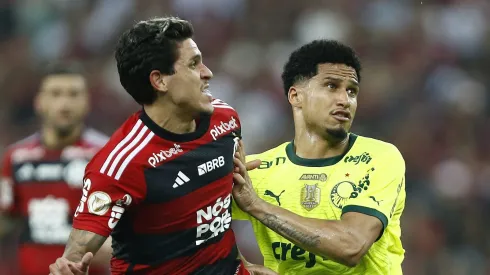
225 266
193 170
154 249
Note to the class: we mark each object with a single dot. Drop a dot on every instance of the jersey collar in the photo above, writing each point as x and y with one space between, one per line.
317 162
201 129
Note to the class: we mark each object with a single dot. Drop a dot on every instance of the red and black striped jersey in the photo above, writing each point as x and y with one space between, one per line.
165 197
42 188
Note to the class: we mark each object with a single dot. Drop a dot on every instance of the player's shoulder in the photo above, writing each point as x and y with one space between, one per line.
26 148
271 154
94 138
223 109
117 155
370 147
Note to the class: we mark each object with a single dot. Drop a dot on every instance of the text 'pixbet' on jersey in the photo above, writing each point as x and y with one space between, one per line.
163 155
223 128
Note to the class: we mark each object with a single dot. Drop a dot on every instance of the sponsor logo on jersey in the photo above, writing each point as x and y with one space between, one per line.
213 220
118 209
320 177
180 179
87 184
272 195
341 192
48 220
268 164
223 128
99 203
310 196
164 154
285 251
70 172
211 165
363 184
364 158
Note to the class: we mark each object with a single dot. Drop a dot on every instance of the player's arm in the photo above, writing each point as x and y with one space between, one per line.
345 241
104 254
81 242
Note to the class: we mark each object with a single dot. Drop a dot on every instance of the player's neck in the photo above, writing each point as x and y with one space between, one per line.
171 118
52 139
310 145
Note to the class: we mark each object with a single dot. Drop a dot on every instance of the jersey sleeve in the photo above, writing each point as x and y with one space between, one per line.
7 193
105 200
379 191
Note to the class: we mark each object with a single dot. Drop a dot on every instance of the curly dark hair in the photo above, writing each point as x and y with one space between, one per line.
147 46
303 62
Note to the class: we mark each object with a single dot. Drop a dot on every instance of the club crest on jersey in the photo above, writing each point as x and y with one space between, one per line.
310 196
223 128
341 192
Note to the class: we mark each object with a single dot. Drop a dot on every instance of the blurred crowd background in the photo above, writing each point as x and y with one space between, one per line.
425 88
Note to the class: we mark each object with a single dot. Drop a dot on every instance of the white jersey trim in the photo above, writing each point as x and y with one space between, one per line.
120 145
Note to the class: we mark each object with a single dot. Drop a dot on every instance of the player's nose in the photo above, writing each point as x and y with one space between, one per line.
206 73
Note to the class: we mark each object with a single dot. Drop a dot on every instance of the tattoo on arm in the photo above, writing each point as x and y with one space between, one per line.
81 242
294 235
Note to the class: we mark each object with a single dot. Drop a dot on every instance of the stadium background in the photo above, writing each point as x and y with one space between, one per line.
425 88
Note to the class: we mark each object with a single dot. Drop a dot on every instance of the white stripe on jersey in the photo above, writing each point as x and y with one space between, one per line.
133 154
120 145
125 150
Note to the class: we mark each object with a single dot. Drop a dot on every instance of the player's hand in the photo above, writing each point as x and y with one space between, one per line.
260 270
62 266
243 191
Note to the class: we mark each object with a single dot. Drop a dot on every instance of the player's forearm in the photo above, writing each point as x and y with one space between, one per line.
104 255
81 242
326 238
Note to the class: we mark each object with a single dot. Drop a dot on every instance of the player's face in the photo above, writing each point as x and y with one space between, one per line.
188 87
331 99
63 102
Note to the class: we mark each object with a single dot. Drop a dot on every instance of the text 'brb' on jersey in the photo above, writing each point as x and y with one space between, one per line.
368 179
166 196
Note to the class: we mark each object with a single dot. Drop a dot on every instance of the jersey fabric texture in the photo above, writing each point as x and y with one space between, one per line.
42 188
165 198
369 178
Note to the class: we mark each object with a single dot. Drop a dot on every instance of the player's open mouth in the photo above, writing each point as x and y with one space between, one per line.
207 92
341 115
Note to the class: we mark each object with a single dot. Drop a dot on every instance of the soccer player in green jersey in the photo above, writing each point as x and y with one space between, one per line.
330 201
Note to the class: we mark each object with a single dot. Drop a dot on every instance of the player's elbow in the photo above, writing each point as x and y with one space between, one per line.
353 249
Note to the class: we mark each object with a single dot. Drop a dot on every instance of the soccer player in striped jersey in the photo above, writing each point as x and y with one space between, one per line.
162 185
41 177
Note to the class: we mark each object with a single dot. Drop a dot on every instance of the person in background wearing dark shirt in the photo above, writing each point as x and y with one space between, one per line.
41 176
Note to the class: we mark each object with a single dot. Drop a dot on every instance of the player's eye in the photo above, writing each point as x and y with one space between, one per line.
330 85
55 93
352 92
193 64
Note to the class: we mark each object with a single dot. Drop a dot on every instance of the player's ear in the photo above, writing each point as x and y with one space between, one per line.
159 81
295 96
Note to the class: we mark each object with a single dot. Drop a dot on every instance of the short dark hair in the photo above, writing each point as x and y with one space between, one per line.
61 68
147 46
303 62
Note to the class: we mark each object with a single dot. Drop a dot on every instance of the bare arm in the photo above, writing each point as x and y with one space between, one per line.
344 241
81 242
104 255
